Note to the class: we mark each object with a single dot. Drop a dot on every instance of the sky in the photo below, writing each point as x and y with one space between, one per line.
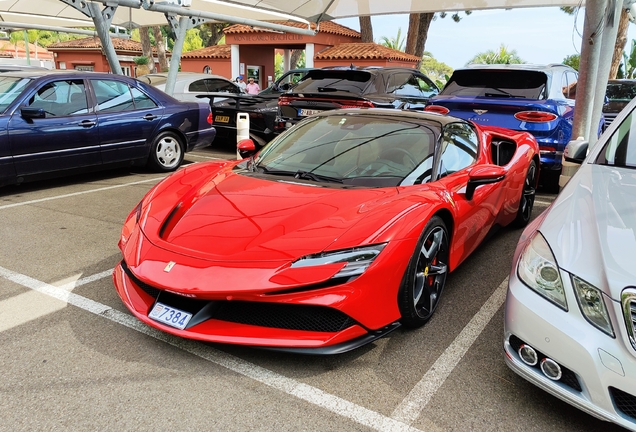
538 35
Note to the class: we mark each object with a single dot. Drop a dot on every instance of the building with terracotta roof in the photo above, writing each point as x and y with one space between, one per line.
364 54
252 50
215 59
17 54
87 54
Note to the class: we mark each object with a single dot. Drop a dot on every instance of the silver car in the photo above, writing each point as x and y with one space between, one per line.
192 86
570 313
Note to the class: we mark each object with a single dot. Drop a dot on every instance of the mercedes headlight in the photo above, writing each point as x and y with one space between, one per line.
538 269
592 305
357 259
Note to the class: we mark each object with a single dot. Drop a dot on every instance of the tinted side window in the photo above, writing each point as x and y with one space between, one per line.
198 86
112 96
458 148
221 86
569 85
141 100
402 84
61 98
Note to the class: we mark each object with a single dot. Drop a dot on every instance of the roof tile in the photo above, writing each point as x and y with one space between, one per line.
364 51
94 42
324 27
214 51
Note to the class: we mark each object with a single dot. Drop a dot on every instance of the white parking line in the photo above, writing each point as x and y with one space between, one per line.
6 206
335 404
411 407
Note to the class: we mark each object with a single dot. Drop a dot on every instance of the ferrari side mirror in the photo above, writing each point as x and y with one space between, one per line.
246 148
481 175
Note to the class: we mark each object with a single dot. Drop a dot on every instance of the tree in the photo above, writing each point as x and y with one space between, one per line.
419 24
161 48
573 61
501 56
630 62
366 29
435 70
212 33
621 38
396 43
146 47
192 40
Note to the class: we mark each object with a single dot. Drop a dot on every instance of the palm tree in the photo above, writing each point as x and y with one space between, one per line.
396 43
501 56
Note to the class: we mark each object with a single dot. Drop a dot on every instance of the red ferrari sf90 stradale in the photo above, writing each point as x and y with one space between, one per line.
336 233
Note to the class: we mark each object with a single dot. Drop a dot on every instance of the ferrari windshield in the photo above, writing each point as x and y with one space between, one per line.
10 89
353 149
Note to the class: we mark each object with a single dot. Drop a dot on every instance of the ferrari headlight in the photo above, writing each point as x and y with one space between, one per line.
537 268
357 259
592 305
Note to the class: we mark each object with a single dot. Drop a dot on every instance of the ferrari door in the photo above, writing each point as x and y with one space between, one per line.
457 154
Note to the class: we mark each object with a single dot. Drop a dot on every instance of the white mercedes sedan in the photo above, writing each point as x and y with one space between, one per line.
570 313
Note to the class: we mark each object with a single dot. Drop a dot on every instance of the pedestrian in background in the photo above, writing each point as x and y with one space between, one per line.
240 82
252 87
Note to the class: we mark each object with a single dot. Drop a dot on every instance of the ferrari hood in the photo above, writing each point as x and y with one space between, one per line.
235 217
591 227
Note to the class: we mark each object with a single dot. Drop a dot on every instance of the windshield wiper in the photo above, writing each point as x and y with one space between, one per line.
302 175
332 89
308 175
503 93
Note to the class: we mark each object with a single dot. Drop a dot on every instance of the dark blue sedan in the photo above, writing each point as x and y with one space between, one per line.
533 98
55 122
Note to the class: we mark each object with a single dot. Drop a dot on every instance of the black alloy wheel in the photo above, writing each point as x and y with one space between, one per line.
528 193
425 276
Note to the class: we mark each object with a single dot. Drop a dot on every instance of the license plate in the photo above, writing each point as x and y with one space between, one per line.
222 119
307 112
170 316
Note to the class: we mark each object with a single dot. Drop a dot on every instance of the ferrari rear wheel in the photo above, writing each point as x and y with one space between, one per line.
527 197
166 152
425 276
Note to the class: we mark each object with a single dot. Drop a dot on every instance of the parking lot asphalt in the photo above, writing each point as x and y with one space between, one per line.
73 358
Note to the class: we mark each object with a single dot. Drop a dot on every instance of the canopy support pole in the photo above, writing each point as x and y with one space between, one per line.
180 27
102 20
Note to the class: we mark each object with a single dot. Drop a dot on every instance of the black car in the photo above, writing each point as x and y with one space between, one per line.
262 110
55 122
327 89
619 93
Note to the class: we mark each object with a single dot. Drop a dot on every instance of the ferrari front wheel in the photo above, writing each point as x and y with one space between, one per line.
425 276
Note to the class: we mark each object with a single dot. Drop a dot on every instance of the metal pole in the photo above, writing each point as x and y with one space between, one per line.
609 34
14 25
182 11
590 55
103 30
175 61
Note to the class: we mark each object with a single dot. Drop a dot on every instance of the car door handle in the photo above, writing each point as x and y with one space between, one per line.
87 123
150 117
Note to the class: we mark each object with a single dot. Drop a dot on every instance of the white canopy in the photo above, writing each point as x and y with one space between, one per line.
59 14
321 10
